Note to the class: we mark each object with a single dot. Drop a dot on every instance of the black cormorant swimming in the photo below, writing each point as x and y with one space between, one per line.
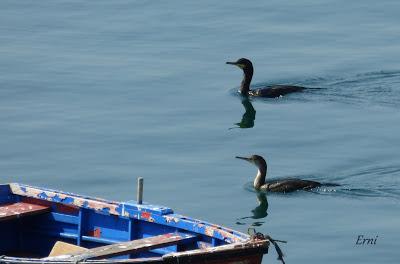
272 91
283 185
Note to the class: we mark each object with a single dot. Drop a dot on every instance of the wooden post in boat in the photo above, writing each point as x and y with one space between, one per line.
140 190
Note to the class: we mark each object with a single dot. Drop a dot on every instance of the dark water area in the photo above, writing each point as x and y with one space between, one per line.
95 94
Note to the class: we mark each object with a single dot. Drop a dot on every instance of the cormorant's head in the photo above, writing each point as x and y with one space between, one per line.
243 64
256 160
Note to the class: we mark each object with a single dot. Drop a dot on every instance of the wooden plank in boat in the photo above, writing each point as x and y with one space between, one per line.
134 246
21 209
62 248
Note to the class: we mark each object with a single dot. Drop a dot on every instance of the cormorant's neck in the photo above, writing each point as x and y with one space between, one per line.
245 86
260 178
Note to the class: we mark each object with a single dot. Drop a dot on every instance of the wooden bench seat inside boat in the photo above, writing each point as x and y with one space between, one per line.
129 247
21 209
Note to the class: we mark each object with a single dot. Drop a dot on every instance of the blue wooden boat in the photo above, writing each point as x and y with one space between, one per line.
39 225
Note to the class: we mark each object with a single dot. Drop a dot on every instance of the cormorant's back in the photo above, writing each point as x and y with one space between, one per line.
289 185
276 90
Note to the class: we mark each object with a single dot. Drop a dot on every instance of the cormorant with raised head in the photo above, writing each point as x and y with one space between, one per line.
284 185
271 91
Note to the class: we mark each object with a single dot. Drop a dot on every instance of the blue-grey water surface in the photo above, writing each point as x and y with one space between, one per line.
94 94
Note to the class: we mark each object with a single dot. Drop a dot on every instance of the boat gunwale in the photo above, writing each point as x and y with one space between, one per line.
252 247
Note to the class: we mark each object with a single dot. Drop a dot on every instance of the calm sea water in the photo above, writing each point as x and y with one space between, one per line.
94 94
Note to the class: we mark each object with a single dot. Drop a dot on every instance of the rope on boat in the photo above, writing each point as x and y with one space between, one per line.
257 235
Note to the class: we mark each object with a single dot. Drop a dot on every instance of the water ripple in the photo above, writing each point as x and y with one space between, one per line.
372 88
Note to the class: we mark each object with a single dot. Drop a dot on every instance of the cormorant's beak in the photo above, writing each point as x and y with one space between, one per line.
243 158
241 66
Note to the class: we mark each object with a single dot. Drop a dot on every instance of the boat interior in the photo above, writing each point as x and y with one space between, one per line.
41 223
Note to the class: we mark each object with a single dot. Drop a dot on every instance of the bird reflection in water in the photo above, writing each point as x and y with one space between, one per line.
249 115
258 212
